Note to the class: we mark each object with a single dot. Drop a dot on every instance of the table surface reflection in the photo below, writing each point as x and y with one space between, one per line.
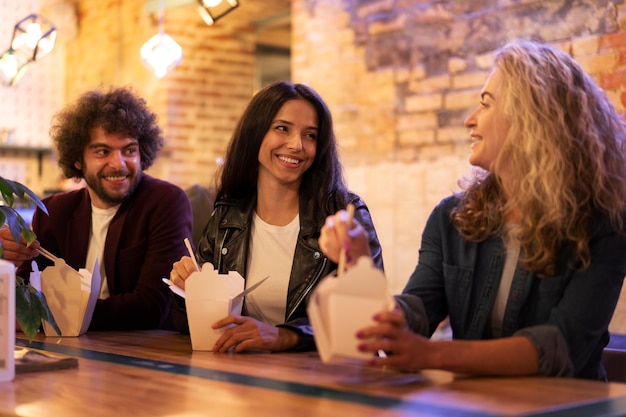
156 373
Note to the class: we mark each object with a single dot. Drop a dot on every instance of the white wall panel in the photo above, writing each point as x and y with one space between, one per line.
27 107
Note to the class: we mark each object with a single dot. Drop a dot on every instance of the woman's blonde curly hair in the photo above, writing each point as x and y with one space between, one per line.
565 157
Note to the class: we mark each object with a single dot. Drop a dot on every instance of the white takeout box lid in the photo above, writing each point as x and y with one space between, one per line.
209 298
339 307
71 298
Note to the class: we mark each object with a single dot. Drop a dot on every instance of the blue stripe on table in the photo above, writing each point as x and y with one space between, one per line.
617 341
607 407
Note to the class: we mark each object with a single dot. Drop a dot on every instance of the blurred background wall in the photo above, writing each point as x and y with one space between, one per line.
398 75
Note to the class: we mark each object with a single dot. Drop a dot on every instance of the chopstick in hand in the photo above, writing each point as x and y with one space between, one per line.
342 255
53 258
191 254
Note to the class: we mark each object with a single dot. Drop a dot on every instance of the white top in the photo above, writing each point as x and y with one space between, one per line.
510 264
100 220
270 253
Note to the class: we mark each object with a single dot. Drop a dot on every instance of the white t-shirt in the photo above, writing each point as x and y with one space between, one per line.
100 220
270 252
510 264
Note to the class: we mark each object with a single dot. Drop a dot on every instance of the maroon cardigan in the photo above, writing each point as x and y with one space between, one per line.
144 239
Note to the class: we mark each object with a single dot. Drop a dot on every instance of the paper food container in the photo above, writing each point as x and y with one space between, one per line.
71 296
339 307
209 297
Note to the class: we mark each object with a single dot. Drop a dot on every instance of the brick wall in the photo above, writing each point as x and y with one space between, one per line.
399 76
200 101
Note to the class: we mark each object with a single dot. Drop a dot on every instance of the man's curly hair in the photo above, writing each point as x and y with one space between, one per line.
118 111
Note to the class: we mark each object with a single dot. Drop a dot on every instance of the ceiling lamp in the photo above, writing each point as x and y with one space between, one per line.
34 36
212 10
161 53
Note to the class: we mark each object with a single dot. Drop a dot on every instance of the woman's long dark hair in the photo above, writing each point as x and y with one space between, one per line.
323 183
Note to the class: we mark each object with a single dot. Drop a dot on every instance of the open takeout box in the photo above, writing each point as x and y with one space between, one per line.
339 307
71 295
209 297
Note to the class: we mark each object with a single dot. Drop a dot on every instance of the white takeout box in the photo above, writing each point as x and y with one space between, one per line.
339 307
209 297
71 296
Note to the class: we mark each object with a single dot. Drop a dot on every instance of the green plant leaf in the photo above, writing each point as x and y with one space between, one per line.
7 189
16 224
26 193
12 219
31 308
28 235
10 216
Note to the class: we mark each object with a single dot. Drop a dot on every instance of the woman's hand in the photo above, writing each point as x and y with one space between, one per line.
181 270
244 333
338 233
404 349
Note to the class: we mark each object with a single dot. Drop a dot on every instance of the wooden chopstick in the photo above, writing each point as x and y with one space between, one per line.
191 254
47 254
53 258
342 255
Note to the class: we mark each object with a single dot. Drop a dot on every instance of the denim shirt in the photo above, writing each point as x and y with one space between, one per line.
566 316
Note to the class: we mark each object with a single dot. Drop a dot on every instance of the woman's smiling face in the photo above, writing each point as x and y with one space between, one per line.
289 146
488 125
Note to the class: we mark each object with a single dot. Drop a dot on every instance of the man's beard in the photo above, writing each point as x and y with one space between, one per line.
95 183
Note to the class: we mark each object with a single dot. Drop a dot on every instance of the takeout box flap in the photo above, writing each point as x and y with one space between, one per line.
316 310
362 280
93 293
71 299
208 284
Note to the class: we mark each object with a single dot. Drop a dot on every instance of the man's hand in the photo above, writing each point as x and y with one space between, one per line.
18 253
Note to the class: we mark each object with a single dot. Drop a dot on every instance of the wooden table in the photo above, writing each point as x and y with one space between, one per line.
155 373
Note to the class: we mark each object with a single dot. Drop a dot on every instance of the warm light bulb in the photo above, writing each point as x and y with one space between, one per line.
160 59
19 41
13 65
211 3
46 45
8 66
33 30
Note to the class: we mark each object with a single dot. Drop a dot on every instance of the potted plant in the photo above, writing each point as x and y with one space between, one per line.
30 304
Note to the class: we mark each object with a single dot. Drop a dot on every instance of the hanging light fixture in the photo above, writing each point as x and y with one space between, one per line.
212 10
34 36
161 54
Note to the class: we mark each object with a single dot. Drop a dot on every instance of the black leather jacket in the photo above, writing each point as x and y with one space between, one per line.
224 243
